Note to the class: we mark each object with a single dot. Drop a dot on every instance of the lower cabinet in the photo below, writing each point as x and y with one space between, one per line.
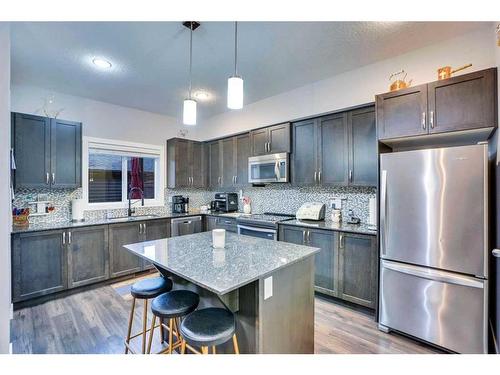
155 230
358 269
121 261
346 266
39 264
88 255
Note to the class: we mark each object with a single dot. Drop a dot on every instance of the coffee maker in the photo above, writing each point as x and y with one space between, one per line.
180 204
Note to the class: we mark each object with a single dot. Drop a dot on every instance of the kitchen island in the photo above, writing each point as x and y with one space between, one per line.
269 285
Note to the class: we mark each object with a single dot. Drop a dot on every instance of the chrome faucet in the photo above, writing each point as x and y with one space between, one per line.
130 210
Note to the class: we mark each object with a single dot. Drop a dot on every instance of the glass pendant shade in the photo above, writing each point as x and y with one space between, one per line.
235 92
189 114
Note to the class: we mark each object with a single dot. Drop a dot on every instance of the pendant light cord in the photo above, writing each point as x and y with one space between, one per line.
235 47
190 57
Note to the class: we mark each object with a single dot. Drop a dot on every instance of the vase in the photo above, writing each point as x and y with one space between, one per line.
247 208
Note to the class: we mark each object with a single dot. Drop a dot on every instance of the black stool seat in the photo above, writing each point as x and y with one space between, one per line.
208 327
175 304
150 288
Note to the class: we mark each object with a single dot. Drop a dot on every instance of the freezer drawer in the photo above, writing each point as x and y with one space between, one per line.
442 308
434 208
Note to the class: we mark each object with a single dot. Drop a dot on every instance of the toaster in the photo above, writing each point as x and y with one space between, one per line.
311 211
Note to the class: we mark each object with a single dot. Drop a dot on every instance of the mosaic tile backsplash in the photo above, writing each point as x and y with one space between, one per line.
282 198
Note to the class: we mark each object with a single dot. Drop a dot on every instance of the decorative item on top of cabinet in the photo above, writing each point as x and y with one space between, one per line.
270 140
187 163
398 80
445 72
48 152
466 102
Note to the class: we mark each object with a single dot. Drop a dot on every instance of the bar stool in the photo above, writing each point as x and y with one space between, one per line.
208 327
145 289
172 306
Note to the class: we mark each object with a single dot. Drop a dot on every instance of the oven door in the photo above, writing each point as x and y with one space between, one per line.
267 233
268 168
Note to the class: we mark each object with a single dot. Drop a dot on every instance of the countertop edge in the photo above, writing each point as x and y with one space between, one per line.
348 230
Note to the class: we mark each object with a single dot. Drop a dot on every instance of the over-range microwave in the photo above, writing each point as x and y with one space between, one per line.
268 168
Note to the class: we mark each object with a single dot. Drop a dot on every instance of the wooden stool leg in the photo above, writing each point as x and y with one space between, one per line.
144 325
170 335
183 347
213 350
235 344
162 339
151 333
130 320
204 349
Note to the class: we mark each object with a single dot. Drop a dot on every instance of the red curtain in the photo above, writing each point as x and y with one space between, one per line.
136 180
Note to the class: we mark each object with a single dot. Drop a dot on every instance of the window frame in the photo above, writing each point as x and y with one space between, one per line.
141 149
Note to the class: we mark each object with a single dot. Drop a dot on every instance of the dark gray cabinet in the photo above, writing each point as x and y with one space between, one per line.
270 140
464 102
39 264
228 163
186 163
363 161
336 150
121 261
88 255
326 261
48 152
154 230
66 153
346 266
358 269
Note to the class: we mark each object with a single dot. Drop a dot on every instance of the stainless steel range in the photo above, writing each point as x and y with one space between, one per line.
262 225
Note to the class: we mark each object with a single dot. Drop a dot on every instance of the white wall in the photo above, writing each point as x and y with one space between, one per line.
357 86
5 215
101 120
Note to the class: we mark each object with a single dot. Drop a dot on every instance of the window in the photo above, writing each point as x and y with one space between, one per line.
119 171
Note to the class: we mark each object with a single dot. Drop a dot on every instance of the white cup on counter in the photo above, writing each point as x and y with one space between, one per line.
219 238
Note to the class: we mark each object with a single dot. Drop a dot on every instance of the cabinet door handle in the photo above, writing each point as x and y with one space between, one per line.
53 178
48 179
319 176
350 175
315 176
235 180
144 228
423 120
309 237
64 238
431 119
341 238
303 236
140 228
69 238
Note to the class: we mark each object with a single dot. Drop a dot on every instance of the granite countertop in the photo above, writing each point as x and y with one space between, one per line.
330 225
244 260
34 227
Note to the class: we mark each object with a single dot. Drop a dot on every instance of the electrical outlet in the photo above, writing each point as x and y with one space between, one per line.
336 203
170 199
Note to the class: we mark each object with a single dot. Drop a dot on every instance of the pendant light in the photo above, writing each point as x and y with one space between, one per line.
235 82
189 112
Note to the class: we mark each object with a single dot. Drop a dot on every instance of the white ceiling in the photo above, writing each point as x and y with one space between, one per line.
150 60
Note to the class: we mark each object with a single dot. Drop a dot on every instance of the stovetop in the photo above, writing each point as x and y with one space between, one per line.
268 217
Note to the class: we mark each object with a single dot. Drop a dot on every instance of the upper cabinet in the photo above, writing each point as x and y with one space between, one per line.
186 161
337 150
48 152
271 140
228 161
464 102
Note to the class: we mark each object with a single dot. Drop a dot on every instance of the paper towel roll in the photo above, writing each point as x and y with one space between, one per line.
372 212
77 210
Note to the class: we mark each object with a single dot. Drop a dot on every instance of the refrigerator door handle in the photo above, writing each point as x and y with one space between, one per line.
383 211
434 275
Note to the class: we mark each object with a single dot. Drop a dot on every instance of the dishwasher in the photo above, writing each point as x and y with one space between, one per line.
185 225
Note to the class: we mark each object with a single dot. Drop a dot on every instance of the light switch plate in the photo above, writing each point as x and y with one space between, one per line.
336 203
268 287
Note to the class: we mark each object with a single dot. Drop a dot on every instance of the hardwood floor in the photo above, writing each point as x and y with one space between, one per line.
95 321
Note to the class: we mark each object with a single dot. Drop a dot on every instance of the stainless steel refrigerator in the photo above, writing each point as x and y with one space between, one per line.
434 246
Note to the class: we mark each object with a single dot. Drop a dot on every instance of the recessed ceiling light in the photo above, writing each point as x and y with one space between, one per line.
101 63
202 95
